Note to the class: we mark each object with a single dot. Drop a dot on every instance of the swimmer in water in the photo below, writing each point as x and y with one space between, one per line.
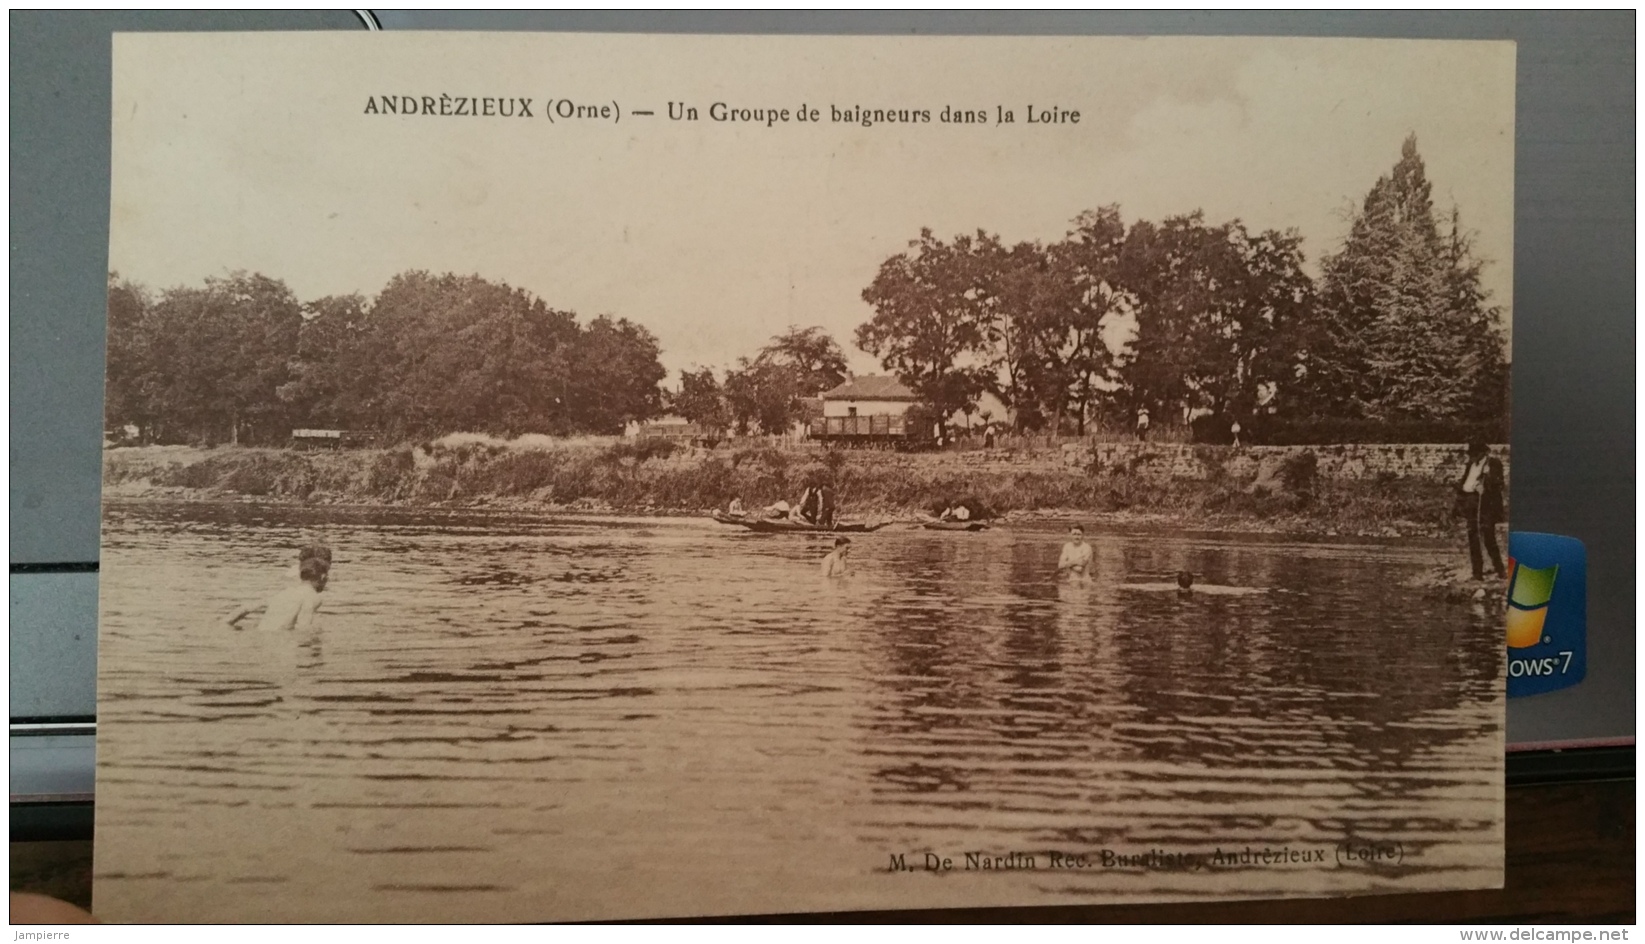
834 564
314 551
1076 554
295 607
1184 586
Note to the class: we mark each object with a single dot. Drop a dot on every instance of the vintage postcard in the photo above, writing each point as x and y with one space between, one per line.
554 477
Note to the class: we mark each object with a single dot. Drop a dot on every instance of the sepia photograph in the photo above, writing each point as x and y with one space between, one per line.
564 477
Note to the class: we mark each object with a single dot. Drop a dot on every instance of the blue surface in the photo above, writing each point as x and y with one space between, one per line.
1560 660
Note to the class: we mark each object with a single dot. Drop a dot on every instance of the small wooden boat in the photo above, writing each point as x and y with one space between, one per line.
956 526
778 525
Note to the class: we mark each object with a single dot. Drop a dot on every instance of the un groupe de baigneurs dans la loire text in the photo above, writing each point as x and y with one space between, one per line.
557 110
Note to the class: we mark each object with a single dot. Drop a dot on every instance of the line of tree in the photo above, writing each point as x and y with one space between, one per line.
241 359
1224 324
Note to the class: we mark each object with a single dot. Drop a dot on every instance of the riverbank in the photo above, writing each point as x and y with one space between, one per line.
1290 497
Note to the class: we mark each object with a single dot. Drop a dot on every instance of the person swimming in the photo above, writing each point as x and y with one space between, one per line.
834 564
1183 584
295 607
314 551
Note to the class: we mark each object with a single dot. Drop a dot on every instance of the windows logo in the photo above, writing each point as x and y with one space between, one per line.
1547 613
1530 591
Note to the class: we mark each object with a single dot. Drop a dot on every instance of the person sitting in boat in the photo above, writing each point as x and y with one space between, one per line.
735 509
778 509
810 508
966 509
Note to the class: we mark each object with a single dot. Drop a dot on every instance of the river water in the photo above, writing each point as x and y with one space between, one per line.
509 717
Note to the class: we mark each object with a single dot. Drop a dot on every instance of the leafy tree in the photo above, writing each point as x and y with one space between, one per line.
1403 329
1217 312
1048 334
615 373
1091 257
767 392
128 394
335 374
462 353
701 400
240 358
1004 287
216 356
763 395
931 320
813 357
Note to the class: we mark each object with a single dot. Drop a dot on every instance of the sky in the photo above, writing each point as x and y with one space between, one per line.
254 152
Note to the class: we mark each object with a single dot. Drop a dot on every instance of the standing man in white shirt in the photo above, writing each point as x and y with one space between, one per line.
1480 501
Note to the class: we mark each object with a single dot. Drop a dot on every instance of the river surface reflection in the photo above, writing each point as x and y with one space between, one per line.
516 717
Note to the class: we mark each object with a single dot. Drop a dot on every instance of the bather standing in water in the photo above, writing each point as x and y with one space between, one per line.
834 564
286 641
1076 554
293 608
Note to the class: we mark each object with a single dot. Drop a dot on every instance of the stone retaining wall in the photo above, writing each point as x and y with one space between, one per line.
1352 461
1432 462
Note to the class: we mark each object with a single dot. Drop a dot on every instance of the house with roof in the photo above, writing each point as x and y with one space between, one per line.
868 395
869 409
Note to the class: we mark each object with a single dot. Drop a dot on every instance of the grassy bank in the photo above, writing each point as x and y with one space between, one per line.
650 478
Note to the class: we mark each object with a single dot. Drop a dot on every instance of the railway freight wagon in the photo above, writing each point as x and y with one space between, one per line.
880 430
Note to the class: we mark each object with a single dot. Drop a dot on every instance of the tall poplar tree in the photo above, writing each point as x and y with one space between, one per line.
1403 330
